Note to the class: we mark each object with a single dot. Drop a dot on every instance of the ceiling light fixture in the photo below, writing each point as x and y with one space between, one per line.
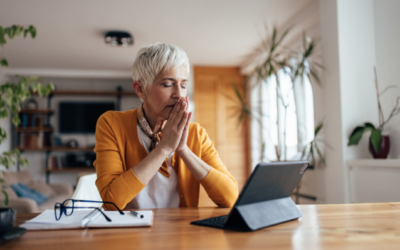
118 38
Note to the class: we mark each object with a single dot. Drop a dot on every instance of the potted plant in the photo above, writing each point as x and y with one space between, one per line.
379 145
11 97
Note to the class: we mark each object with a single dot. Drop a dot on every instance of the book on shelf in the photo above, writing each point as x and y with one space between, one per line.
29 120
56 141
35 140
59 163
53 163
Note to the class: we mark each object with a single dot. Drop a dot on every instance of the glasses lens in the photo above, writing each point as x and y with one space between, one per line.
57 210
69 211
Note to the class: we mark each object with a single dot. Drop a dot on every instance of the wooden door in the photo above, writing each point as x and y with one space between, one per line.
216 111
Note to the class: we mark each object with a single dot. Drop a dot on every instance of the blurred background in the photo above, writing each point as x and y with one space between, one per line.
269 80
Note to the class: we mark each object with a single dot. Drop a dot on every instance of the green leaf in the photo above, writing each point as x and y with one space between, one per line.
34 87
312 155
40 89
9 95
3 135
26 31
2 40
369 125
16 121
33 31
376 140
18 30
3 113
5 162
9 31
3 62
5 202
317 129
356 135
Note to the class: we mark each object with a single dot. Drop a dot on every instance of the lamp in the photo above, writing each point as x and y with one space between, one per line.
118 38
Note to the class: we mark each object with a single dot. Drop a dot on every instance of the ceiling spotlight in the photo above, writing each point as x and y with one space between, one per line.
118 38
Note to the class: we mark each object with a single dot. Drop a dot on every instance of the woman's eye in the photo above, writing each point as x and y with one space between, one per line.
183 86
167 85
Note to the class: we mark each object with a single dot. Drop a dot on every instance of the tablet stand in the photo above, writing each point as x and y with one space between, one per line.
254 216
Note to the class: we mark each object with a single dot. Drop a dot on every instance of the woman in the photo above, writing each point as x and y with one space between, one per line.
153 157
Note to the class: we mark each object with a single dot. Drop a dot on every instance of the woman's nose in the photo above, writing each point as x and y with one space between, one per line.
179 92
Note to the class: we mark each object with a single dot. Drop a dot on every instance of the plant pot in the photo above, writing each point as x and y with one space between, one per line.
385 148
7 217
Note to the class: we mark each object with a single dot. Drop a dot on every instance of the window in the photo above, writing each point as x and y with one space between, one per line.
298 101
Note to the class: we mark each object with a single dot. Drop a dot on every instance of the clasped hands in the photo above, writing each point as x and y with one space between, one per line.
176 129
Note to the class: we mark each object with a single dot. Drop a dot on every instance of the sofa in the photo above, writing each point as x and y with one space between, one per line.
53 192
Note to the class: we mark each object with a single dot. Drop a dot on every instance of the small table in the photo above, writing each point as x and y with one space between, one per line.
343 226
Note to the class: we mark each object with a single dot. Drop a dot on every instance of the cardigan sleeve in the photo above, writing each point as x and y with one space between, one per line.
114 182
219 184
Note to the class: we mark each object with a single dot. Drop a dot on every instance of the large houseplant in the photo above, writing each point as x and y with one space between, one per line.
298 64
12 94
379 145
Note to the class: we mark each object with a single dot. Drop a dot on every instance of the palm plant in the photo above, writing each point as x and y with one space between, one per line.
312 151
296 63
305 65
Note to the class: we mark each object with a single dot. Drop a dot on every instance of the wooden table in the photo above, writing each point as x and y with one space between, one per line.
345 226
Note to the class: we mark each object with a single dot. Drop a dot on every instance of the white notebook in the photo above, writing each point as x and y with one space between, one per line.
88 219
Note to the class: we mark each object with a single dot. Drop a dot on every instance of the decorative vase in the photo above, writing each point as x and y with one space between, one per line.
385 148
7 217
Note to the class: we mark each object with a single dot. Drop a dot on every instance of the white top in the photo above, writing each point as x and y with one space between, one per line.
161 191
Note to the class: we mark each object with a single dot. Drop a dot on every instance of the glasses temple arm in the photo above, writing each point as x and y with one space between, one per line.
119 210
105 216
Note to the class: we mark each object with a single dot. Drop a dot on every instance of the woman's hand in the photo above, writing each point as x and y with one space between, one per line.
177 121
182 144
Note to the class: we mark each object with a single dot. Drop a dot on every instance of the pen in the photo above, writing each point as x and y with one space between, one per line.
137 215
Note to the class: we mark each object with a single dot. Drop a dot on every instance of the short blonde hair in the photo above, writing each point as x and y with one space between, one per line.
153 59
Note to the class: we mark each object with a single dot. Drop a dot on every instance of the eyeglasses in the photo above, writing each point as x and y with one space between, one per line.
61 208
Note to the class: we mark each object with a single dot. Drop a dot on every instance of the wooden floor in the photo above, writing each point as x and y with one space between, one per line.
345 226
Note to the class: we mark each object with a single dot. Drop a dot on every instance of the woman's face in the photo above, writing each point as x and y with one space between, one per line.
165 91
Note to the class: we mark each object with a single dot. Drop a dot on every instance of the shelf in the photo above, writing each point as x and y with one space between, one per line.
72 170
34 129
36 111
91 93
66 149
60 149
375 163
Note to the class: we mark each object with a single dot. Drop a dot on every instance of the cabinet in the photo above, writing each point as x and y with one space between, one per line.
374 180
35 133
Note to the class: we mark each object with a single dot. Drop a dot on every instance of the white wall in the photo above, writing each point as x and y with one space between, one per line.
348 41
387 42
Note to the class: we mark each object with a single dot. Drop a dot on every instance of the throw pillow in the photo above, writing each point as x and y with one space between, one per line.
43 188
24 191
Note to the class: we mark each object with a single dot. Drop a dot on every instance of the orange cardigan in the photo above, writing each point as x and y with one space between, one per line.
118 150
